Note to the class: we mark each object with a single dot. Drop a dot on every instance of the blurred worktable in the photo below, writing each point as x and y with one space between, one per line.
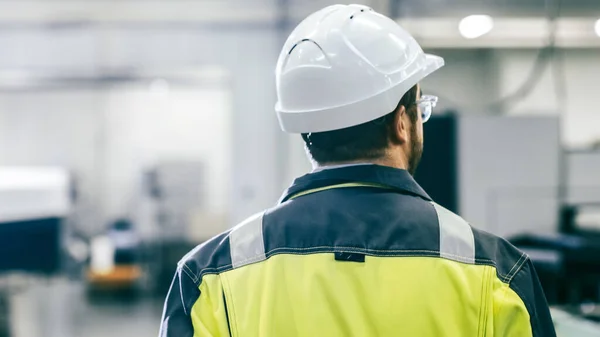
572 325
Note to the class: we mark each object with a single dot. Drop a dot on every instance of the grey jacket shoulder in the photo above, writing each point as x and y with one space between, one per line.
210 257
491 249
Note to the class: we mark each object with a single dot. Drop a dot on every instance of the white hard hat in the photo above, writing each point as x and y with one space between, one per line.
346 65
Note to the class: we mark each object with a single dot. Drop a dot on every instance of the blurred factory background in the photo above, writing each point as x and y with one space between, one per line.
132 130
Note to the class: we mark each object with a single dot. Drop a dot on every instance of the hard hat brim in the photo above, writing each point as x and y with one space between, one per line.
356 113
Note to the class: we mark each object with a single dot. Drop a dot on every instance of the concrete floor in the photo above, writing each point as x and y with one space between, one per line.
60 308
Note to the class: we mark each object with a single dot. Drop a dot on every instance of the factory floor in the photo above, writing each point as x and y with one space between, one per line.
61 308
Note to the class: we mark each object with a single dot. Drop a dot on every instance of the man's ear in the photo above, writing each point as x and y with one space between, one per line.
400 126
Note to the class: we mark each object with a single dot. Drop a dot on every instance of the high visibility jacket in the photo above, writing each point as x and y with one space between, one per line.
356 251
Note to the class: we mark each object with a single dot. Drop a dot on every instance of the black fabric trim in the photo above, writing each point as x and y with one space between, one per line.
333 250
210 255
397 179
506 257
527 285
349 257
364 219
178 305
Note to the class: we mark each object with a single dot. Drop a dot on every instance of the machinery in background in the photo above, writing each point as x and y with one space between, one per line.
115 260
34 201
568 261
33 204
174 215
184 215
571 324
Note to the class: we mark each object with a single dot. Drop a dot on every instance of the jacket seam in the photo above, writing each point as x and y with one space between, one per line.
515 265
373 252
519 265
233 326
192 278
190 273
487 301
482 310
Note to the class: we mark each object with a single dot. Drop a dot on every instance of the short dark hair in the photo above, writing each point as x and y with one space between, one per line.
366 141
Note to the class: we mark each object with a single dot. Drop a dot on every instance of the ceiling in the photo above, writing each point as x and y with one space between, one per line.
512 8
457 8
519 23
268 10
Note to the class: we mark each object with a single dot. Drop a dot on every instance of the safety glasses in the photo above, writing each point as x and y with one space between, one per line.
426 105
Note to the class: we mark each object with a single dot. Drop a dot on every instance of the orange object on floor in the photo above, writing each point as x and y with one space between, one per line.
119 276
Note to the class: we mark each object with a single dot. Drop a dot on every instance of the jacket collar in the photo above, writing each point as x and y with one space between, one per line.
396 179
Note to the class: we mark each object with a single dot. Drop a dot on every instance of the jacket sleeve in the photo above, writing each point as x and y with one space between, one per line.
176 319
520 307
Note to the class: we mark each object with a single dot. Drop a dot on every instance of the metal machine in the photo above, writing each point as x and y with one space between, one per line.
33 204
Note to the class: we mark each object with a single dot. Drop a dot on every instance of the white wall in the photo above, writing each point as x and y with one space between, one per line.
185 125
528 202
473 79
56 128
584 177
108 136
50 128
247 53
581 112
467 82
508 178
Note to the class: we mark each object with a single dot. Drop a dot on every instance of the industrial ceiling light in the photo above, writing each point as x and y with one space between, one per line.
474 26
597 27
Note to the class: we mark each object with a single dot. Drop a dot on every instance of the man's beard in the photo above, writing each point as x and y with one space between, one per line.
416 151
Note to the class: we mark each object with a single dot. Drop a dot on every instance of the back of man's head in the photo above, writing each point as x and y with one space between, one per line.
365 142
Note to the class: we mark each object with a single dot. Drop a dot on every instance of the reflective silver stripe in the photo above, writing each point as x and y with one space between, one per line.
246 242
456 237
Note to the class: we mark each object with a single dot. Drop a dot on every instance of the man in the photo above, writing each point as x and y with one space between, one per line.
355 248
